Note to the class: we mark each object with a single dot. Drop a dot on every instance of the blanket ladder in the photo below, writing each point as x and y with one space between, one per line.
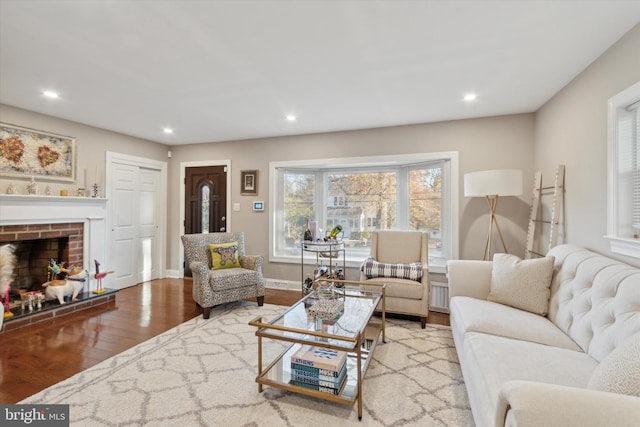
536 224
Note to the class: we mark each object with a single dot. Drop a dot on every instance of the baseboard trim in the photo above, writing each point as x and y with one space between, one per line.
287 285
173 274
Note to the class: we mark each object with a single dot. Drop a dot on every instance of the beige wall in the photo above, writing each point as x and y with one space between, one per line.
487 143
571 128
91 145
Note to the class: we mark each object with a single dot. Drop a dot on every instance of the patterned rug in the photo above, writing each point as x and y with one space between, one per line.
202 373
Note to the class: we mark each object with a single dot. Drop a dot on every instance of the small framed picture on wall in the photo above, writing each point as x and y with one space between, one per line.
249 183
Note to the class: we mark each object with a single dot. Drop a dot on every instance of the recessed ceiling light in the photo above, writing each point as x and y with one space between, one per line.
291 118
167 131
470 97
51 94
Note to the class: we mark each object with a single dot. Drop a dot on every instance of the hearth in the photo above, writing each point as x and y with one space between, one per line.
53 309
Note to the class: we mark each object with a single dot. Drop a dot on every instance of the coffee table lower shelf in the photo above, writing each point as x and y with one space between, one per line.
278 372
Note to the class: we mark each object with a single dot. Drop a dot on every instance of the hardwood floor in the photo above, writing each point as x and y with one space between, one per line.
36 357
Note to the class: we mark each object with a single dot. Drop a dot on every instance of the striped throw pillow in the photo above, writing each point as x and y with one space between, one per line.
372 268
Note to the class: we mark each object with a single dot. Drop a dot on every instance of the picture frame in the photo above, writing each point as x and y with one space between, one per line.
249 183
31 153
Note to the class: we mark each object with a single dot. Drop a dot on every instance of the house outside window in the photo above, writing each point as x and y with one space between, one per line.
410 192
623 201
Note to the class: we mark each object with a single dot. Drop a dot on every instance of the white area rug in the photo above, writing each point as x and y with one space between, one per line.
202 373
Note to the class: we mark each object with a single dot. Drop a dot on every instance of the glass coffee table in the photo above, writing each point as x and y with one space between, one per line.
354 330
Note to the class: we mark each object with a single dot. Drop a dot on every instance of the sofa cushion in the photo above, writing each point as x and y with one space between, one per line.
489 361
232 278
224 255
475 315
397 288
372 268
522 284
619 372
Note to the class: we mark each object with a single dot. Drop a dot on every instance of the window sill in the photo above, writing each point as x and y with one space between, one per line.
438 266
435 266
624 246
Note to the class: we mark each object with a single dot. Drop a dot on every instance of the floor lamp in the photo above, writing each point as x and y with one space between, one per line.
492 184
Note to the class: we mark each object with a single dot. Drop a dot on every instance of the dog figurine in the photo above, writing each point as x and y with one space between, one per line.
71 286
227 254
31 300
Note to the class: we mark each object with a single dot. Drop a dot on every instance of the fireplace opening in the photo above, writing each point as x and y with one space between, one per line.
36 246
33 260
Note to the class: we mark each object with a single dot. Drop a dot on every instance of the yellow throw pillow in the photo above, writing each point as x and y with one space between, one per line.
224 255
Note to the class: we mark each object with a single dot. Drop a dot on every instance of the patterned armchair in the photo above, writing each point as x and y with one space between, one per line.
398 250
212 287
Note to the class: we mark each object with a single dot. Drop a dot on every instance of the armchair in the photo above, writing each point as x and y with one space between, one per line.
403 296
212 287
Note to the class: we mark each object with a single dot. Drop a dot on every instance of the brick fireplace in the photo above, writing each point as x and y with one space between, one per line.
72 230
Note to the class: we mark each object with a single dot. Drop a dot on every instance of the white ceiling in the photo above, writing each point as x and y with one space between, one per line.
228 70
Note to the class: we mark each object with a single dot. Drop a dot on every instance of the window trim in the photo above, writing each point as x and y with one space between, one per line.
450 198
617 104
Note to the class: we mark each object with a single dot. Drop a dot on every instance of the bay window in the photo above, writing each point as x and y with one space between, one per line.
406 192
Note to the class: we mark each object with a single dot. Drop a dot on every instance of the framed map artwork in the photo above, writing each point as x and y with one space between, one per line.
32 153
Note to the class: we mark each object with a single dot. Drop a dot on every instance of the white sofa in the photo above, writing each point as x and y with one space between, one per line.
527 369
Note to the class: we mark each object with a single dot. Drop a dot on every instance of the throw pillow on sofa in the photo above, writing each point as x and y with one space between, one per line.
619 372
224 255
522 284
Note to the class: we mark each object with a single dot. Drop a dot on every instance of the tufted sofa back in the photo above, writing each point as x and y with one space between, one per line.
594 299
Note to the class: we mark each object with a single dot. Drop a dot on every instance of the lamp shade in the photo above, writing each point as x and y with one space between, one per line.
498 182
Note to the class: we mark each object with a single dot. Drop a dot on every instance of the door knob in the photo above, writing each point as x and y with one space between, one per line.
224 218
223 229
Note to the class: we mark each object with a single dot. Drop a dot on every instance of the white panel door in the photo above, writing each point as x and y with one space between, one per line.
148 246
124 214
134 208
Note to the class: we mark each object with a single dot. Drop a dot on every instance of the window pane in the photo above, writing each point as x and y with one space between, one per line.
204 208
298 199
425 205
635 155
361 202
356 200
626 167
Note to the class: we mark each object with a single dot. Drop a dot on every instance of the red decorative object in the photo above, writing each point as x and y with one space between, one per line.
99 276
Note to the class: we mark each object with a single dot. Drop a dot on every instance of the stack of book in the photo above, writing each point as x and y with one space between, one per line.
319 368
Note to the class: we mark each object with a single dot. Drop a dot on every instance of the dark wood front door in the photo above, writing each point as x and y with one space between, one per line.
205 201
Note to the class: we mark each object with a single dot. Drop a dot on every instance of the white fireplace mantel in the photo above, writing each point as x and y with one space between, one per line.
30 209
20 209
